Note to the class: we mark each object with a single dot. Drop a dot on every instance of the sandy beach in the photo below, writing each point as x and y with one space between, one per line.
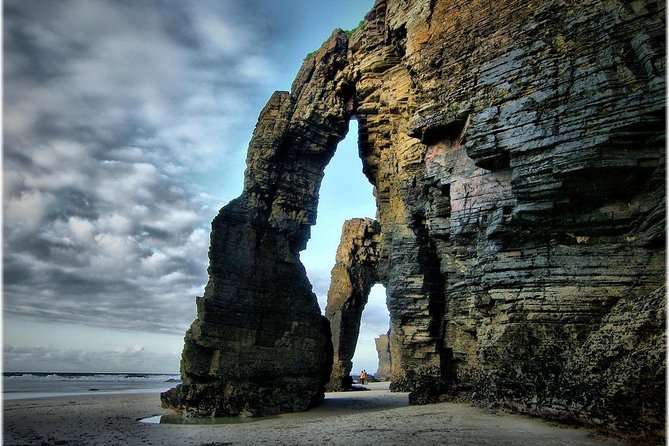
370 417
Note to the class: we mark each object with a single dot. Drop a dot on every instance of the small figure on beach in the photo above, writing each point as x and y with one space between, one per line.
363 377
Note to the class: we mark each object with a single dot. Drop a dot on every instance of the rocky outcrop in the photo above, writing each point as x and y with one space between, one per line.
355 272
616 372
259 345
384 372
517 150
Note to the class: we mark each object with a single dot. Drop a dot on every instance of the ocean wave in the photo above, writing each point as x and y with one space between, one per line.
57 376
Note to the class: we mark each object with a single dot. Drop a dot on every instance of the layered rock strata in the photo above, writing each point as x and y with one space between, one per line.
355 272
517 151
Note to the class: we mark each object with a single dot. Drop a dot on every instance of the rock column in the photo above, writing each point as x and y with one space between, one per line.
259 345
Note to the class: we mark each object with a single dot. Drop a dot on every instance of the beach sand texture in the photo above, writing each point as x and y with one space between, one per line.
374 417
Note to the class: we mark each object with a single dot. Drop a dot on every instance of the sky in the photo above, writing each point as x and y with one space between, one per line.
125 129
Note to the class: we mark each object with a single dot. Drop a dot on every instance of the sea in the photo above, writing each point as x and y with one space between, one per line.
25 385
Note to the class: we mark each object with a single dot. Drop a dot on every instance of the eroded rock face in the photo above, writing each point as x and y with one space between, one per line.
616 372
517 151
355 272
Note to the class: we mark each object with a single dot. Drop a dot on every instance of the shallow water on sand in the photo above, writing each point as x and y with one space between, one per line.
178 419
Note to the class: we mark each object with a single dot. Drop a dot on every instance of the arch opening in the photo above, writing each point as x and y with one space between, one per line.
341 261
372 351
344 193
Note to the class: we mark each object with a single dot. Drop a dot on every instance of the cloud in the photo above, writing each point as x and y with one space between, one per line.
116 114
125 129
121 358
320 282
375 321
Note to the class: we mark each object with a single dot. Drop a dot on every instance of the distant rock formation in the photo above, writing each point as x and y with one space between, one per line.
517 150
355 272
384 372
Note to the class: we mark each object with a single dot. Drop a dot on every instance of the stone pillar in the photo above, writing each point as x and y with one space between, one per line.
384 372
259 345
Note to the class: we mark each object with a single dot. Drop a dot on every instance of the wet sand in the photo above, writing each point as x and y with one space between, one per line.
374 417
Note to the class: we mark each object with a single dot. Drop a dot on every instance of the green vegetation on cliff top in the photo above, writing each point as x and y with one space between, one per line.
348 33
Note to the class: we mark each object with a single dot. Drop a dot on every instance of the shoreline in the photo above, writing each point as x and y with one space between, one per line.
369 417
20 396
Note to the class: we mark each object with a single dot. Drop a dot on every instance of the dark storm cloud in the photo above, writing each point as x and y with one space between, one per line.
113 110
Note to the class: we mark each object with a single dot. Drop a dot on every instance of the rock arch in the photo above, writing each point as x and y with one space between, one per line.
356 270
518 159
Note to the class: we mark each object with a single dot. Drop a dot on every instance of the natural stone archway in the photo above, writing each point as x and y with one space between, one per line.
355 272
259 345
517 151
